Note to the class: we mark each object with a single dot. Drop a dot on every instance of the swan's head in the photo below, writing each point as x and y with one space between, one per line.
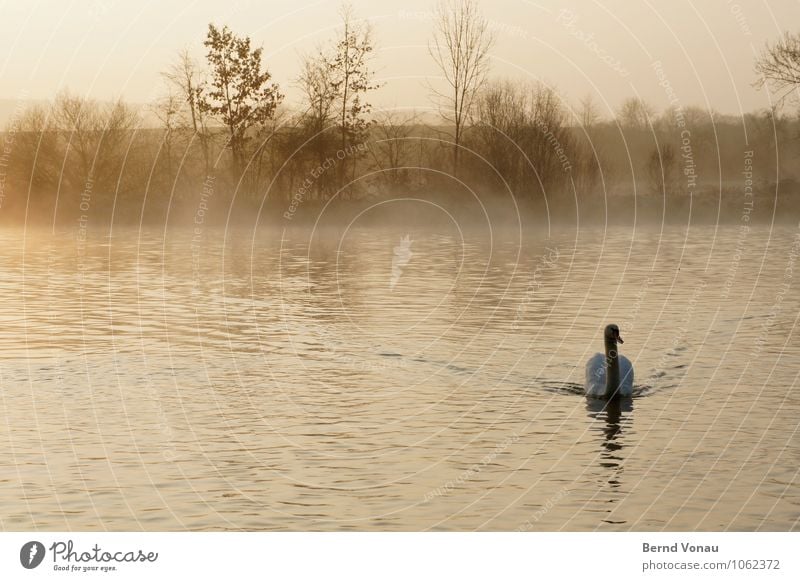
612 334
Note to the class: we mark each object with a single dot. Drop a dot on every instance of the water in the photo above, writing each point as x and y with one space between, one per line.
349 379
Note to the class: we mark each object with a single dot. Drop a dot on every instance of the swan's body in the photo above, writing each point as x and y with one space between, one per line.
596 376
609 375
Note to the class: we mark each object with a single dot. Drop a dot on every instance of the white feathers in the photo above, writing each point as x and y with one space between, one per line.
596 376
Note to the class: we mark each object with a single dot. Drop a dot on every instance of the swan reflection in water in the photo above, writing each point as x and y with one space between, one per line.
616 414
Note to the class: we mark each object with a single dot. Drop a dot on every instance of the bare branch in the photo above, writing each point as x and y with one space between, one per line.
778 66
460 47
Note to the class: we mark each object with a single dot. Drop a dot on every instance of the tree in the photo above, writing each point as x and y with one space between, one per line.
587 148
238 93
521 131
184 77
168 111
635 113
37 147
590 115
391 147
334 83
460 47
769 133
550 140
316 84
662 170
779 66
350 80
318 91
502 129
95 138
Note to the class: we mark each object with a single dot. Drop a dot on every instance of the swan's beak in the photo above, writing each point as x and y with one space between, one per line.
619 338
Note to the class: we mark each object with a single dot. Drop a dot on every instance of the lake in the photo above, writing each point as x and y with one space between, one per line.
368 378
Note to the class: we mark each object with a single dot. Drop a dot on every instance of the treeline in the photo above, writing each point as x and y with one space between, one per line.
222 136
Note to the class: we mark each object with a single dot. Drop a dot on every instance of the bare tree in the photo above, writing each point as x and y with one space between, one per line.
95 139
38 157
502 130
318 90
266 159
351 79
589 113
635 113
78 119
521 130
662 170
335 83
184 76
460 46
769 134
319 95
550 141
168 111
392 146
779 66
587 148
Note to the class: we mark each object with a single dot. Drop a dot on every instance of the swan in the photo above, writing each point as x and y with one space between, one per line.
609 375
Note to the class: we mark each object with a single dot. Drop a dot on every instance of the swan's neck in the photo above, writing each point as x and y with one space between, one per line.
612 369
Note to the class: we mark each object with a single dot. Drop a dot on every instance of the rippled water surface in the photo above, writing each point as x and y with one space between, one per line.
359 379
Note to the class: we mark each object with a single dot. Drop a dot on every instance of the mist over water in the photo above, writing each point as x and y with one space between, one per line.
397 377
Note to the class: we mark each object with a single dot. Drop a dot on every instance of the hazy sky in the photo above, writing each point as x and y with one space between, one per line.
606 48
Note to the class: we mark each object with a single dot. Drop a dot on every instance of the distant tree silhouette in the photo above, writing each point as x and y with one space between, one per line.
662 170
184 77
168 111
635 113
335 82
96 137
779 66
521 130
460 46
351 79
319 96
391 148
238 92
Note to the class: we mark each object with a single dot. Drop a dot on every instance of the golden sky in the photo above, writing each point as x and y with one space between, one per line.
603 48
